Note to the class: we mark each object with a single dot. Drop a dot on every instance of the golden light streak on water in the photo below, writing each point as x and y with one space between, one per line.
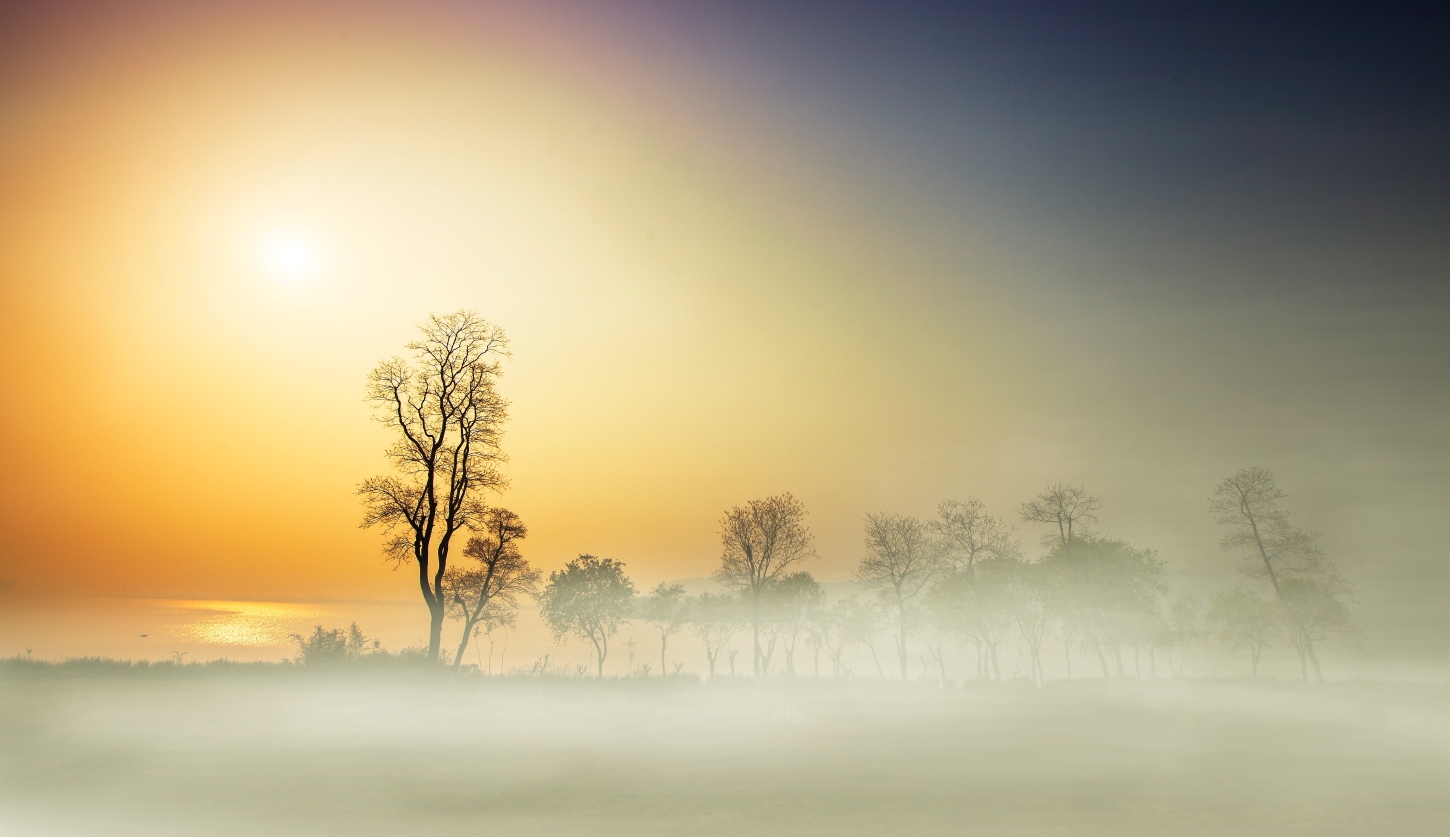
251 624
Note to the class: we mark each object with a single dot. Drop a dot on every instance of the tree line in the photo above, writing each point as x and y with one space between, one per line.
958 579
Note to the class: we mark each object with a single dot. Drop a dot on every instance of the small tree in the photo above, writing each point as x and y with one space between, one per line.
491 586
331 648
590 598
901 560
1030 603
966 533
1067 508
715 618
760 540
853 622
667 608
1273 548
1245 621
1183 625
789 603
1323 614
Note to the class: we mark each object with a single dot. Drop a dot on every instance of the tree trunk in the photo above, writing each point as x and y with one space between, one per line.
664 640
901 634
755 629
463 644
1067 654
435 628
1313 658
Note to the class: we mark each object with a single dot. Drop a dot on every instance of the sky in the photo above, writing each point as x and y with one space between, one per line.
877 255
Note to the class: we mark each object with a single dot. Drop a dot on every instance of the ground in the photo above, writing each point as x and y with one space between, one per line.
299 753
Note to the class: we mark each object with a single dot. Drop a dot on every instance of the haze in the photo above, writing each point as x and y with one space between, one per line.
863 258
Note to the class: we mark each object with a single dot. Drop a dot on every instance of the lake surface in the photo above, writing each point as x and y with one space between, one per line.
55 627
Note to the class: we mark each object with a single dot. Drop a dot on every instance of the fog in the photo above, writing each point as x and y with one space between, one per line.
213 750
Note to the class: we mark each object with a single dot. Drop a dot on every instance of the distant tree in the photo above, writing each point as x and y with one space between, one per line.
966 532
1067 509
667 608
1030 603
1245 621
976 606
760 540
496 619
715 618
334 647
1273 548
854 622
1105 589
789 602
490 587
590 598
834 633
900 562
447 419
1182 626
1064 507
1319 602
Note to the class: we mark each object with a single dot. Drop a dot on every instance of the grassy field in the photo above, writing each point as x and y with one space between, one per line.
253 751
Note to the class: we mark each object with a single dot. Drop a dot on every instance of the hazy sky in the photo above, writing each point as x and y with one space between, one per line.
877 255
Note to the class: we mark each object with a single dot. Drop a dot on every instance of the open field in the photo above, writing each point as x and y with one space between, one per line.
247 752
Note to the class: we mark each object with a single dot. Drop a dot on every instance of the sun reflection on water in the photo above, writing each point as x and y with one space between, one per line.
252 624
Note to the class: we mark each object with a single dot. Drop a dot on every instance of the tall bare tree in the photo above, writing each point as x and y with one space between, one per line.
901 559
448 418
1273 548
760 540
489 589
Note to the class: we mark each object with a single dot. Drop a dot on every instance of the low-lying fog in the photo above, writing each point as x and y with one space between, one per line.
314 753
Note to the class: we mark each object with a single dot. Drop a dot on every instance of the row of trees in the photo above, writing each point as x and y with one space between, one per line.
958 578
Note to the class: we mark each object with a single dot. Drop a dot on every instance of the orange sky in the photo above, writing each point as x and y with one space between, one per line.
181 421
712 296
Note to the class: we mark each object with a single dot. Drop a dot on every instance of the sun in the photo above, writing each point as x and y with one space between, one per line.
290 256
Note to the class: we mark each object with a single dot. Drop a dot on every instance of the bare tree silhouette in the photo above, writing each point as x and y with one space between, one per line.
1305 584
760 540
1067 508
448 418
489 590
901 559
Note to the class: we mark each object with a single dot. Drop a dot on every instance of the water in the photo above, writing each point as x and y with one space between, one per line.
55 628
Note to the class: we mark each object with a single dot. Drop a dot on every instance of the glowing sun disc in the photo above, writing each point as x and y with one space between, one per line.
289 256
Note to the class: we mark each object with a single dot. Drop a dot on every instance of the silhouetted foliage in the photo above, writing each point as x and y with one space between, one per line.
788 603
667 608
1306 586
332 647
1246 621
715 618
901 559
488 590
590 598
760 540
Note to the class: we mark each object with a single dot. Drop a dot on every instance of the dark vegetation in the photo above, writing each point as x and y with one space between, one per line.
959 580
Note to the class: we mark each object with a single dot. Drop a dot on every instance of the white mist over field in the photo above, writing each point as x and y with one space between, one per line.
294 752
